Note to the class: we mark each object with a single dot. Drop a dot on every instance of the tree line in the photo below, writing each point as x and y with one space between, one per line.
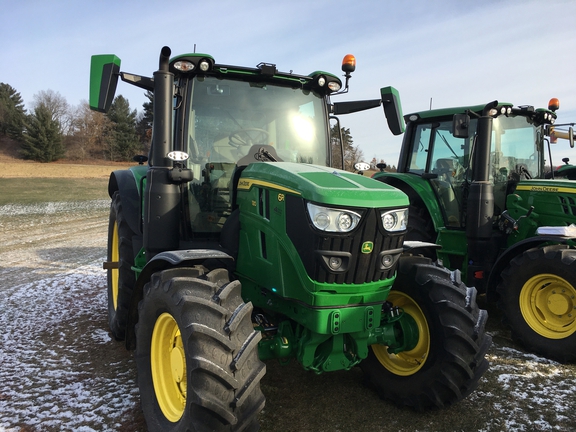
53 130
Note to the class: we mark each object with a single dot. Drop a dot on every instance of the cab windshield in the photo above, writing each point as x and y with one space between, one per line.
228 122
227 117
515 154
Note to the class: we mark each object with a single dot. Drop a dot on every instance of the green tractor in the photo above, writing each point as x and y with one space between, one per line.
479 187
234 243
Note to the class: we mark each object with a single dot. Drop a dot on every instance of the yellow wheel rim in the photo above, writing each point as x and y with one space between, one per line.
115 249
408 362
168 363
548 305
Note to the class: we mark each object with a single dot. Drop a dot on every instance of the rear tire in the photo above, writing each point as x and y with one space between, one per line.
538 300
421 228
121 280
448 361
197 354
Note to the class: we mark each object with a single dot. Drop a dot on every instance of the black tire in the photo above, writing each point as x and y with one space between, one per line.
449 359
121 280
421 228
197 354
537 296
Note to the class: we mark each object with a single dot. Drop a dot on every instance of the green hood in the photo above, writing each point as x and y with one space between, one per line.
323 185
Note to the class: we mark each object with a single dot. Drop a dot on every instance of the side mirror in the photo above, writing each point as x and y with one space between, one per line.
392 109
461 126
104 73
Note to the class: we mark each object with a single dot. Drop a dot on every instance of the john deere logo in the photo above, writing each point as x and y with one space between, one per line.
367 247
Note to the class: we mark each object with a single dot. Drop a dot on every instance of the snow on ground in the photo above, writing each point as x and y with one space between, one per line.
50 208
60 370
49 378
532 392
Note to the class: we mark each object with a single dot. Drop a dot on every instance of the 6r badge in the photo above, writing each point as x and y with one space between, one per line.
367 247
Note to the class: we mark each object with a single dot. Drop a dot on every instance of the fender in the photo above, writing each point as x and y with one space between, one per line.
418 191
515 250
127 182
164 261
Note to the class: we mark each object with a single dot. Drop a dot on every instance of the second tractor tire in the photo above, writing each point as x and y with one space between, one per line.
537 296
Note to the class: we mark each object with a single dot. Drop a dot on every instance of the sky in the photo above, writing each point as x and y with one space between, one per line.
435 53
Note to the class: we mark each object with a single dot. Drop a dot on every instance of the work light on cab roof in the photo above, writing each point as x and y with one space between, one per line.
192 63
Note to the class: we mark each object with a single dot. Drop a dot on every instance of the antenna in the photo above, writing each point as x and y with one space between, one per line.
194 48
430 103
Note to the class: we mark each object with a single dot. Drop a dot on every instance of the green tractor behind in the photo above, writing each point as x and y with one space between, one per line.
237 243
479 187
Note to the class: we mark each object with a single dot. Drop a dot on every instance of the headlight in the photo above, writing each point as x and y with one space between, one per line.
333 220
184 65
395 220
334 86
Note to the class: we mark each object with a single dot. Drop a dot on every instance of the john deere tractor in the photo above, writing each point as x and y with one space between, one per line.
234 243
479 186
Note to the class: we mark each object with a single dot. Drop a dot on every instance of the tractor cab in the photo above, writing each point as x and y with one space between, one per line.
228 124
441 144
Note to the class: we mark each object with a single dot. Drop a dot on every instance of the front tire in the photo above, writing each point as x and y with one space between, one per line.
538 300
448 360
197 354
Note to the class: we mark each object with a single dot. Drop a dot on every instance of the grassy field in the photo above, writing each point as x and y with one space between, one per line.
30 182
39 190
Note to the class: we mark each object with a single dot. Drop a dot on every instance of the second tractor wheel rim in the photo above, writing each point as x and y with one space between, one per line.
409 362
168 364
548 305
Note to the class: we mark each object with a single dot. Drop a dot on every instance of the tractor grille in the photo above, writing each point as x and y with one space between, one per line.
315 248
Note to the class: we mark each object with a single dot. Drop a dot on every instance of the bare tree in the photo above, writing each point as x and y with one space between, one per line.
58 107
90 133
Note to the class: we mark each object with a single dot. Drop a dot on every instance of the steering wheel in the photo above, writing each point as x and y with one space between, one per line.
248 137
446 168
522 170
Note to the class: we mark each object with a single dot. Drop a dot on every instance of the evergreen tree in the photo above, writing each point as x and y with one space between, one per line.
43 137
144 126
351 154
123 143
12 112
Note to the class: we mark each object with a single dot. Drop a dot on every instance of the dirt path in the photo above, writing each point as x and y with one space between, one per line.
60 370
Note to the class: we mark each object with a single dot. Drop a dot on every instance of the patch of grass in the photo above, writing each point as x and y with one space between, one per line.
39 190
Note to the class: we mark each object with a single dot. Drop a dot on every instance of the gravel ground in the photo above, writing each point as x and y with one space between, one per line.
60 369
